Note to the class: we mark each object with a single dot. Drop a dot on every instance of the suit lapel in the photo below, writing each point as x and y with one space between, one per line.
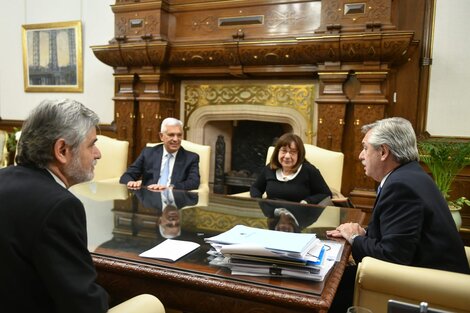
179 164
157 155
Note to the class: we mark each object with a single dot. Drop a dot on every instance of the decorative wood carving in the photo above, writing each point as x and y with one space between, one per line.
331 120
331 110
376 14
156 101
386 47
299 97
163 42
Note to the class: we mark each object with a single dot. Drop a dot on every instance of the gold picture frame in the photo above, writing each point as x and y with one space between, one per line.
52 57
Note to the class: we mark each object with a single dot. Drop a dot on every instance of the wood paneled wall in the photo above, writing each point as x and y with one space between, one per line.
370 64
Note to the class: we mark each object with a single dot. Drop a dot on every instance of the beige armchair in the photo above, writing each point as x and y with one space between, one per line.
113 162
204 153
3 148
143 303
101 190
379 281
330 164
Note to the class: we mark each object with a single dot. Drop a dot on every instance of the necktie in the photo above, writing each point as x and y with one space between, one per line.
378 191
168 197
164 177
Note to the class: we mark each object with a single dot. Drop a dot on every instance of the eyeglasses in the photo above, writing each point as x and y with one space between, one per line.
284 151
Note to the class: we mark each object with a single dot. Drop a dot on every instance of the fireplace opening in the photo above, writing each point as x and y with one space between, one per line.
244 154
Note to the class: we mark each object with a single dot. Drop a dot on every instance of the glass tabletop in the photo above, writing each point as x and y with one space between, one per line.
123 223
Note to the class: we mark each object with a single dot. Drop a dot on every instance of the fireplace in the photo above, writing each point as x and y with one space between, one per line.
246 117
248 146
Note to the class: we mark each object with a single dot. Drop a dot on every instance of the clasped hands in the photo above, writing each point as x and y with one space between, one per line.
346 231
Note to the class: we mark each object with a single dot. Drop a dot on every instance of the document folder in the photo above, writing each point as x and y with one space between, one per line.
271 242
313 257
237 267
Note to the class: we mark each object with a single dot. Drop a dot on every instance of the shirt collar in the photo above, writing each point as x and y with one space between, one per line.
382 182
57 179
165 153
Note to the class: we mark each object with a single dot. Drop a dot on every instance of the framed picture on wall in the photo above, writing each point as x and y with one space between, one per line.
52 57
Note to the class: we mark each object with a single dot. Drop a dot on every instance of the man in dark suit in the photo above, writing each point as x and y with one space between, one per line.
166 165
411 223
46 266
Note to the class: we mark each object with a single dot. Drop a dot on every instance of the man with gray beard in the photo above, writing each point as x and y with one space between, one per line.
46 266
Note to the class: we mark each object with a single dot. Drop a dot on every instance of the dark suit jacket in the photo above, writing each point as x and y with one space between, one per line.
411 224
147 167
45 263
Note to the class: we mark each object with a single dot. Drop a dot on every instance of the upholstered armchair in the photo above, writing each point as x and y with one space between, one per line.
3 148
204 153
204 161
113 162
330 164
379 281
105 190
143 303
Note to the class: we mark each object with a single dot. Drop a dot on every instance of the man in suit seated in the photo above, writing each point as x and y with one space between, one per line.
411 222
46 266
167 204
167 165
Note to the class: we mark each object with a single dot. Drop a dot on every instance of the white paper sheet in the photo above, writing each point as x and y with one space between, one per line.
170 250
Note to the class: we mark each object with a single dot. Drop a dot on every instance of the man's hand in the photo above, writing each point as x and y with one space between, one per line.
347 230
134 184
156 187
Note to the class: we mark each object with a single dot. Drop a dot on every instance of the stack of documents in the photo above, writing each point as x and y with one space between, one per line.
260 252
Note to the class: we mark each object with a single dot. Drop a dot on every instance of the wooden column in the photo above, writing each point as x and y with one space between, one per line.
125 108
331 110
156 101
367 106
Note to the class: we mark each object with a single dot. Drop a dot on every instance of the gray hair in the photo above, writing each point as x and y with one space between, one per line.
49 121
398 134
170 121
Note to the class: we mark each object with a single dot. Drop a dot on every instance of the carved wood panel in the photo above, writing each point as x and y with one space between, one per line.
224 20
124 113
331 120
373 14
363 114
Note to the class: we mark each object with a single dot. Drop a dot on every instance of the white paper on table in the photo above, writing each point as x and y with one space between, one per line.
170 250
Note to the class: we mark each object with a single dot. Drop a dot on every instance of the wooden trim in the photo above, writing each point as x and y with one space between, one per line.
425 62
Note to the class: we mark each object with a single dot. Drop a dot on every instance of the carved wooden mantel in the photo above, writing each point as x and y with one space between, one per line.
240 59
349 48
